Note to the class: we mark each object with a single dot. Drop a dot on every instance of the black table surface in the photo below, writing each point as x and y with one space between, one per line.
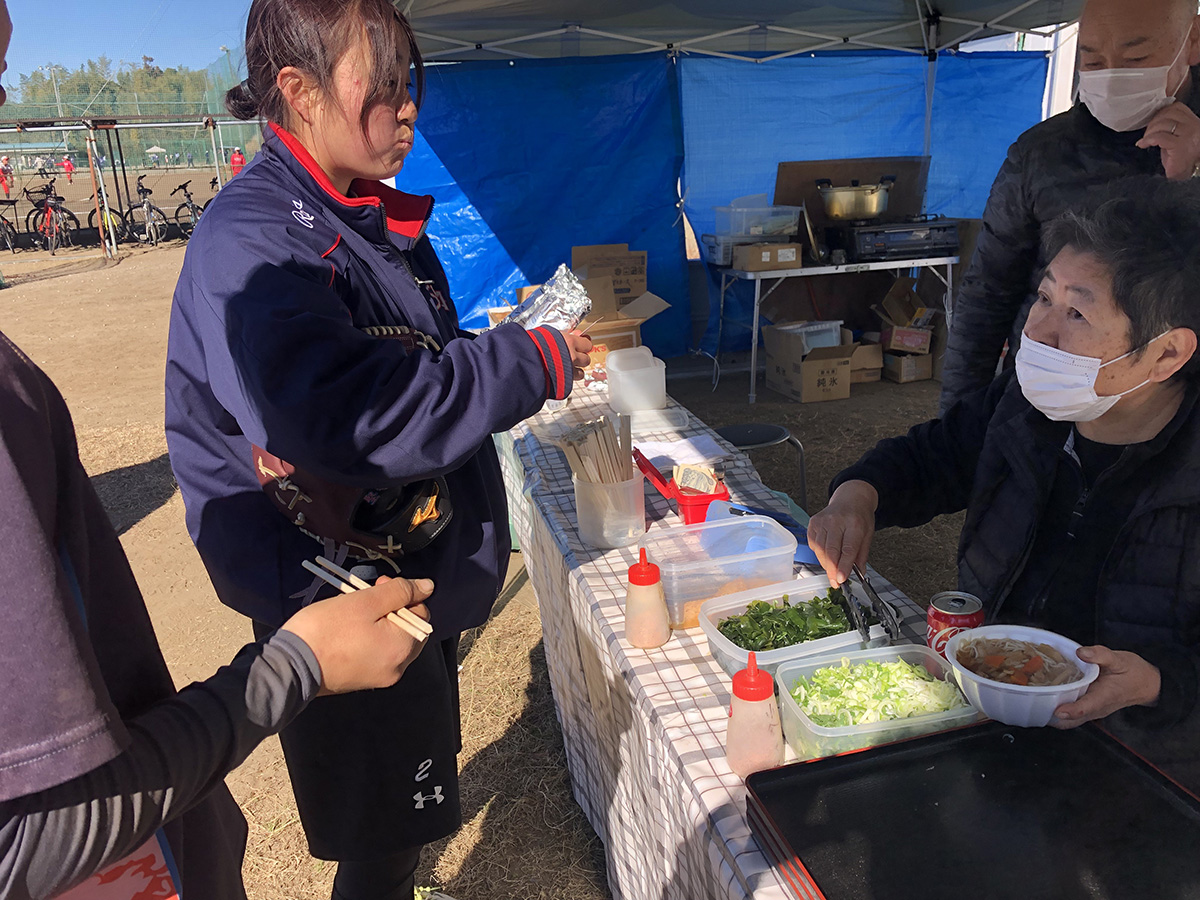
984 812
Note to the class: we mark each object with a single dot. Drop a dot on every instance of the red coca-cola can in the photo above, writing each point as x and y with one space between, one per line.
949 613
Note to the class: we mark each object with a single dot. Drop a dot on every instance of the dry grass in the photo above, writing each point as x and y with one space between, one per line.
101 335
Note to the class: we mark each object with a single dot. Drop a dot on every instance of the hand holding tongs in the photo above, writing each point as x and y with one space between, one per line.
883 611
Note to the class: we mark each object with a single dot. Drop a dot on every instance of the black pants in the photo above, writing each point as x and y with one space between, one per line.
387 878
375 773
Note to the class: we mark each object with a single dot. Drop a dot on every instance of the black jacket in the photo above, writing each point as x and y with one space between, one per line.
1050 169
996 457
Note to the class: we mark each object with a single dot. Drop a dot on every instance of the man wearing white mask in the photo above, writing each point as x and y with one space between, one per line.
1079 471
1136 114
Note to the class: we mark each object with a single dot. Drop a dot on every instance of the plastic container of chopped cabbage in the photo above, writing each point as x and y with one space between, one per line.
812 741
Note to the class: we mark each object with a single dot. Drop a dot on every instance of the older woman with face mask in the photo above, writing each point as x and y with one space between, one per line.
1079 470
1136 115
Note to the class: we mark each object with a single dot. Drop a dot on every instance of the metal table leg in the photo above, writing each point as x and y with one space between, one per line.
754 337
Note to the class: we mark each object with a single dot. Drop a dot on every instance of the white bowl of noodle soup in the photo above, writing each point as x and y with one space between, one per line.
1023 705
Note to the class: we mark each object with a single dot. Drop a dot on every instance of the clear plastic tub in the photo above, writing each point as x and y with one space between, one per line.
812 741
815 334
710 559
610 515
636 380
757 220
732 658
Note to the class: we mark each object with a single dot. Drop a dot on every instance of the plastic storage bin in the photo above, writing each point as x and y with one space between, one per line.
811 741
815 334
610 515
636 380
757 220
713 558
732 658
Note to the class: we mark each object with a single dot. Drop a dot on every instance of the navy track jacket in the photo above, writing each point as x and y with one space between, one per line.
268 345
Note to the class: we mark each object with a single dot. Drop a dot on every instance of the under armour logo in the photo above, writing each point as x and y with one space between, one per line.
304 218
420 798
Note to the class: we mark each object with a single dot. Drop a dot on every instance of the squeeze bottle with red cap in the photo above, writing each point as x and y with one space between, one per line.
754 739
646 622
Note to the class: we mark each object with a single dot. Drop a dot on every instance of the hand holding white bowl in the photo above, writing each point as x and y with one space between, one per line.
1125 680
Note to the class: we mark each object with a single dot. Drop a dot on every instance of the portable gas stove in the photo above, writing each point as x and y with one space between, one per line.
914 237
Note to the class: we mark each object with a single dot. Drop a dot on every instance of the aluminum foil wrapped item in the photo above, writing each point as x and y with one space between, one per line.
560 303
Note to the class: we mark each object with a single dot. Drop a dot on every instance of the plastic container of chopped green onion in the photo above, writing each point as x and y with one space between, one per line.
864 699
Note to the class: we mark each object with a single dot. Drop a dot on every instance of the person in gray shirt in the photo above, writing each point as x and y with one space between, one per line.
106 772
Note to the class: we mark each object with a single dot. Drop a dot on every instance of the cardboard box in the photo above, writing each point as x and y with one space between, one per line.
767 257
907 340
617 326
524 292
866 363
903 367
902 308
626 268
824 374
497 314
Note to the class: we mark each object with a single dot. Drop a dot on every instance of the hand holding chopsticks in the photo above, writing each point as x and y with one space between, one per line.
348 583
354 648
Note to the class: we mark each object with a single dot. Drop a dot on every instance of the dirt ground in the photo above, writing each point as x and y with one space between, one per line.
100 332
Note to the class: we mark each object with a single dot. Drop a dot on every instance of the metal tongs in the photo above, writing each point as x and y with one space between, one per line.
882 610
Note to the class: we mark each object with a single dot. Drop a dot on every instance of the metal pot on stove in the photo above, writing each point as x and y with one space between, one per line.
857 201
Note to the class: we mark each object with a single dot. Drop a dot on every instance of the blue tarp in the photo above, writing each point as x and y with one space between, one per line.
740 120
527 159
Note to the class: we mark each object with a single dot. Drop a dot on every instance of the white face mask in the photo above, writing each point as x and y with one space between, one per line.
1062 386
1127 99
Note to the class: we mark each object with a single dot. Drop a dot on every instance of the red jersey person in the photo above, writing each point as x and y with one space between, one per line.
237 161
6 175
68 168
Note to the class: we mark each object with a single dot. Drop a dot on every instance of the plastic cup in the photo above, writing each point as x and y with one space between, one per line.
610 515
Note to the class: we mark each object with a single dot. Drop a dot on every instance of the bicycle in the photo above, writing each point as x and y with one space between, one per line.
54 226
146 222
7 229
114 222
38 197
187 214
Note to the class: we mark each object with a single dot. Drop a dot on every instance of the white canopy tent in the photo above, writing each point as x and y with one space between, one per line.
753 30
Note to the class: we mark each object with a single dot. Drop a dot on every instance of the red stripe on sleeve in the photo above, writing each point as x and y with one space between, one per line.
545 365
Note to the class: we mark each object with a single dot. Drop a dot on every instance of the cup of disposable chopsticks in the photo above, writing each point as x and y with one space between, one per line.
610 503
347 582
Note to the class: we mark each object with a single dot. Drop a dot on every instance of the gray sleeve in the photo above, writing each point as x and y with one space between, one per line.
179 750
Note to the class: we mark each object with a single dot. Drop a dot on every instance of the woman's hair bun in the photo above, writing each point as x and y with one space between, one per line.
241 102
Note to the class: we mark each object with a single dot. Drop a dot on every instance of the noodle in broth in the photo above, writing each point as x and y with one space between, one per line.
1017 662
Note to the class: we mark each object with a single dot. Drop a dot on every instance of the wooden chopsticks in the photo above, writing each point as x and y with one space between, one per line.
348 583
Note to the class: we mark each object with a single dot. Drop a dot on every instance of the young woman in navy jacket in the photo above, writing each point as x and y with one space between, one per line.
318 383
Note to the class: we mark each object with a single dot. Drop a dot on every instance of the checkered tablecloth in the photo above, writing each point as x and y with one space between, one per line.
644 729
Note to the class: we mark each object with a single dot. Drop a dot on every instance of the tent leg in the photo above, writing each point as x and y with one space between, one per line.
930 82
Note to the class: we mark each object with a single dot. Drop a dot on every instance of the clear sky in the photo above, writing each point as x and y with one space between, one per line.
174 32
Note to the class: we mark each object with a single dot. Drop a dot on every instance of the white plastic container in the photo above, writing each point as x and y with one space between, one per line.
709 559
732 658
636 380
754 738
610 515
812 741
815 334
646 624
1025 706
